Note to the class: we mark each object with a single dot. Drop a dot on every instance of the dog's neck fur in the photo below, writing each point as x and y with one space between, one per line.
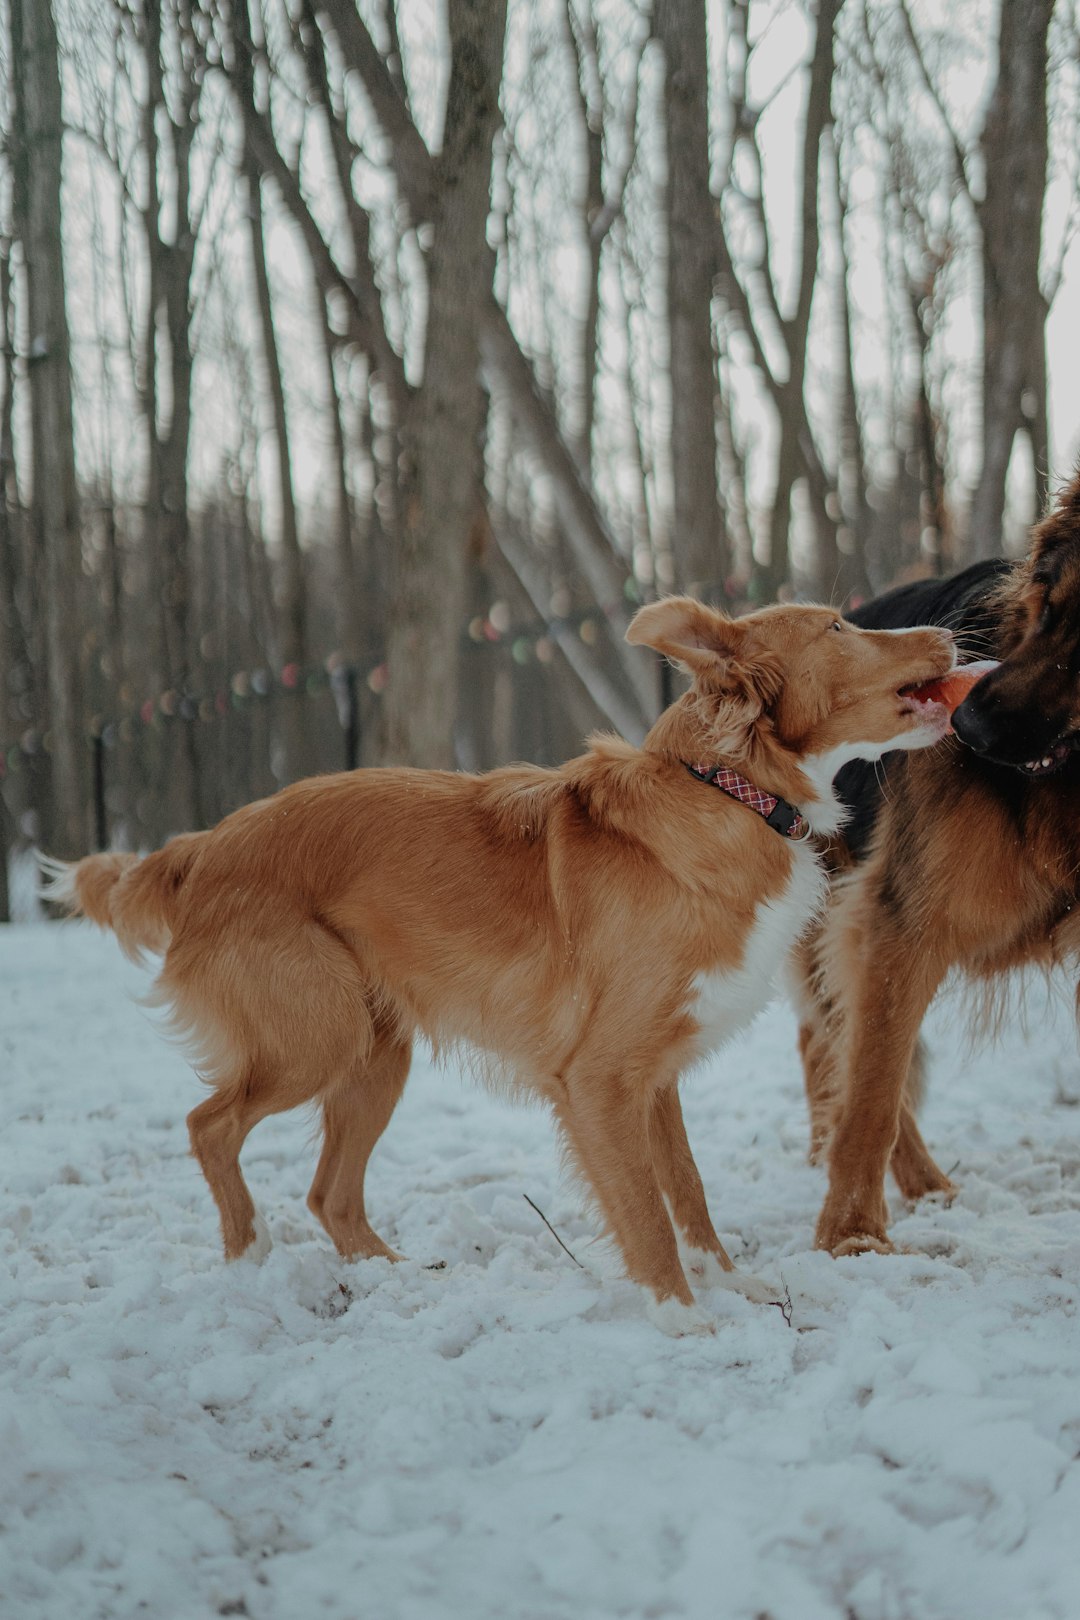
751 747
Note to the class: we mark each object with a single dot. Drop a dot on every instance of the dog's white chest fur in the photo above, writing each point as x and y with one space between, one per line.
723 1002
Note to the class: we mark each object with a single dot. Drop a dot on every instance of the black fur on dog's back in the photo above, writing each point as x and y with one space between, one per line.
965 604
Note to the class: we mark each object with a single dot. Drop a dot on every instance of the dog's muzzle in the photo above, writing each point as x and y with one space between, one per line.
999 736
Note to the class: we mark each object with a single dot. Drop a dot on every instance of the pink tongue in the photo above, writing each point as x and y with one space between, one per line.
952 689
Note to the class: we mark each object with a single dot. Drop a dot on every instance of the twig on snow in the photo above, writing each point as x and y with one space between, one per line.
552 1230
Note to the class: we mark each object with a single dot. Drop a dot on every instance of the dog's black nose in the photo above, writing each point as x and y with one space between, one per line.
973 725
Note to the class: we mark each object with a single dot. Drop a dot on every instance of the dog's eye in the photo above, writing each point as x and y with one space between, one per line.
837 624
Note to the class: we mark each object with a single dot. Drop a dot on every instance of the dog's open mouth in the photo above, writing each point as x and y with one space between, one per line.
917 700
938 698
1051 761
948 691
1055 758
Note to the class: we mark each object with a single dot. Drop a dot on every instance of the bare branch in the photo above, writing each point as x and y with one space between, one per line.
412 161
958 155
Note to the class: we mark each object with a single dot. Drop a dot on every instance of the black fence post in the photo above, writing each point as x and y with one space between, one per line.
101 831
349 713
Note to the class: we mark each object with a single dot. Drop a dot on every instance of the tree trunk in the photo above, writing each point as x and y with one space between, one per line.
935 498
590 107
507 370
36 166
1014 143
1039 420
844 570
299 760
349 618
14 652
442 423
300 755
771 573
700 543
167 351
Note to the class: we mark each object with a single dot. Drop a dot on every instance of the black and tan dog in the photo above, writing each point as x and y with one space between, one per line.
964 857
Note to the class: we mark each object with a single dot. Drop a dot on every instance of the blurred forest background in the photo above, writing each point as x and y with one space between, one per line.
363 363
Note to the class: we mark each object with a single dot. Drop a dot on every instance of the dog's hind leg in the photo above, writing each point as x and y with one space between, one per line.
355 1114
817 1038
703 1254
680 1180
912 1166
817 1050
277 1012
218 1129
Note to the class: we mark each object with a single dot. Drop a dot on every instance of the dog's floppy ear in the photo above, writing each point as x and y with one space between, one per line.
734 675
693 635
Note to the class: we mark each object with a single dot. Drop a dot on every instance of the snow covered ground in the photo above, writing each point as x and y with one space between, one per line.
509 1437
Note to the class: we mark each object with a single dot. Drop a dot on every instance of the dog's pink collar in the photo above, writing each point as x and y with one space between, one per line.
777 813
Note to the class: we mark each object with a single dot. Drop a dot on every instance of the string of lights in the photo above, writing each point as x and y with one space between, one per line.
526 643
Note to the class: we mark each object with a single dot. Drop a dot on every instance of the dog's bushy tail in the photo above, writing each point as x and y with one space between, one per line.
134 897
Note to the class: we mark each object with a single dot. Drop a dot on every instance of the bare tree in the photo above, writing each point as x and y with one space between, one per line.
442 422
699 543
36 127
603 192
160 30
760 312
510 376
349 616
1004 183
842 574
478 455
1010 211
292 647
15 664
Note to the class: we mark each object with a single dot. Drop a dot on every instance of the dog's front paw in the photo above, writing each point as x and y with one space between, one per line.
260 1245
754 1289
853 1225
860 1243
677 1320
707 1268
937 1187
921 1179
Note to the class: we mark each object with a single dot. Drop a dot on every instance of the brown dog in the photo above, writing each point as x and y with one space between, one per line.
967 857
594 930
